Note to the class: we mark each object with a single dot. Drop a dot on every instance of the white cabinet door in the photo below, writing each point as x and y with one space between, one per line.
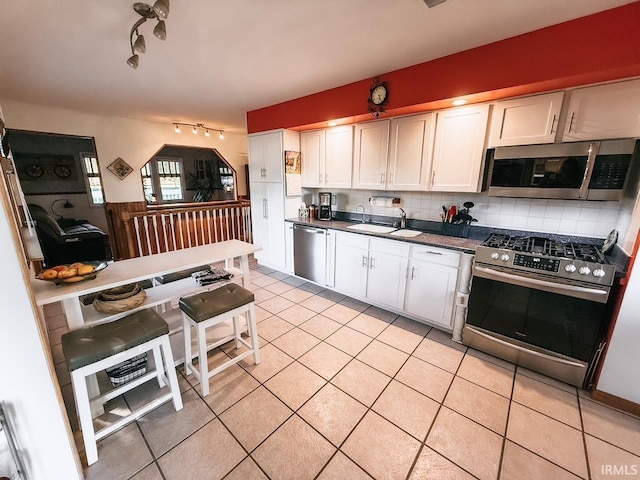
259 224
370 152
276 231
409 155
256 158
604 111
431 291
312 154
288 232
458 154
387 278
274 157
352 257
526 121
331 258
338 157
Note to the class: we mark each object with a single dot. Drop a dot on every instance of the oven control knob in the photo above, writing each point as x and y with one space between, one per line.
495 255
570 268
598 272
584 270
505 257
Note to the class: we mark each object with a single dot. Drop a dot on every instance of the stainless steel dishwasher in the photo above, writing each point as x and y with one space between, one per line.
309 253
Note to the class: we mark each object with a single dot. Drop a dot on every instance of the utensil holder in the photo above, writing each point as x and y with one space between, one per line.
456 229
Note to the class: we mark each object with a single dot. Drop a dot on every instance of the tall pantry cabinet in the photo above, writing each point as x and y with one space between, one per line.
269 203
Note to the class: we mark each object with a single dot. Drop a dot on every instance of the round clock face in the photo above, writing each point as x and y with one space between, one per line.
62 171
379 95
34 170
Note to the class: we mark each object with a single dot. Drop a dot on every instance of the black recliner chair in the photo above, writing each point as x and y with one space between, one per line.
75 241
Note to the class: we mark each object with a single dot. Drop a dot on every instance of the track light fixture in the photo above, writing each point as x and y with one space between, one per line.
195 127
160 11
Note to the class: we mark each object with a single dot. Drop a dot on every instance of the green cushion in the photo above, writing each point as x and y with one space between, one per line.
88 345
172 277
205 305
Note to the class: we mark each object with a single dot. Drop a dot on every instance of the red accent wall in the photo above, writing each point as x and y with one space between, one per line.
596 48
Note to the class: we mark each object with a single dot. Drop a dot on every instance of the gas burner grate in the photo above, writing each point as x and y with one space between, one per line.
546 246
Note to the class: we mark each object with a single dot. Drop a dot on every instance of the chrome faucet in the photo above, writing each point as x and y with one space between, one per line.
362 207
403 219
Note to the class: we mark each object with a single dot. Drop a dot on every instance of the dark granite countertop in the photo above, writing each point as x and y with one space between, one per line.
432 235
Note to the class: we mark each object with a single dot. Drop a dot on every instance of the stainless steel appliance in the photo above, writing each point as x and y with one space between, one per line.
540 303
580 170
324 209
309 253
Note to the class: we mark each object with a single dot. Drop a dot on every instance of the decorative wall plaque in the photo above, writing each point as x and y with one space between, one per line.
120 168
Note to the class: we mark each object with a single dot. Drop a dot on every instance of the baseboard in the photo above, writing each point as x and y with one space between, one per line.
616 402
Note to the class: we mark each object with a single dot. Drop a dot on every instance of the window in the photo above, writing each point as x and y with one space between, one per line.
94 181
147 183
171 179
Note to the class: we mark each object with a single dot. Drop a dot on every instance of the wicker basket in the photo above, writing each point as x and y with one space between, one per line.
110 302
128 370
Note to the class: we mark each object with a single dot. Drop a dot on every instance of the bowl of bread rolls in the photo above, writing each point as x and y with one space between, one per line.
73 273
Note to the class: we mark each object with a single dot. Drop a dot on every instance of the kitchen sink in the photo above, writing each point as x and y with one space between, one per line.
406 233
367 227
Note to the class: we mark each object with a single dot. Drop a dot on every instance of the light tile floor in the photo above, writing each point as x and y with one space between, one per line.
348 391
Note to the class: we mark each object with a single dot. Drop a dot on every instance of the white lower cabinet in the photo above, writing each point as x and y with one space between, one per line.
288 240
432 285
267 214
352 264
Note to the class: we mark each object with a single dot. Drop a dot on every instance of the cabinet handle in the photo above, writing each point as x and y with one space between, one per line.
372 263
390 178
265 208
553 121
319 178
571 122
364 261
382 178
433 177
431 252
413 273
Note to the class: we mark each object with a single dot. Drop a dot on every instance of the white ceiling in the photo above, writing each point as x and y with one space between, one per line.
223 58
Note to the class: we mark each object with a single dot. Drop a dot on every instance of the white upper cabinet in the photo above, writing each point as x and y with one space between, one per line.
312 158
526 121
410 150
266 163
459 147
370 153
327 157
604 111
338 157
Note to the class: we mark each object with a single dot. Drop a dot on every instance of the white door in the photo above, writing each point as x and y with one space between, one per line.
352 264
409 155
604 111
259 223
370 152
312 154
526 121
276 231
431 291
387 279
458 154
256 158
339 157
273 157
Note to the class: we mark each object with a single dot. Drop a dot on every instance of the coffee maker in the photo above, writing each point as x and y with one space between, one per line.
324 209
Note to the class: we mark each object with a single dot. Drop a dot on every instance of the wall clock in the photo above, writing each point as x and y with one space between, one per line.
378 97
62 171
34 170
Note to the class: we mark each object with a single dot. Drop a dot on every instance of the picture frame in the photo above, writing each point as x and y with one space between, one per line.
120 168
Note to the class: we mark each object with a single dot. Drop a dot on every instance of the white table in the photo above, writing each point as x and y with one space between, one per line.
133 270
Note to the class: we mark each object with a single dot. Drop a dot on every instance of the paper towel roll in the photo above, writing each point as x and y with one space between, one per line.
383 201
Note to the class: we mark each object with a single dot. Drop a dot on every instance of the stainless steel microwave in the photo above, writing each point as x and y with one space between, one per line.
582 170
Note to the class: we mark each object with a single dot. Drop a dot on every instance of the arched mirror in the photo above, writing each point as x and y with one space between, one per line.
179 174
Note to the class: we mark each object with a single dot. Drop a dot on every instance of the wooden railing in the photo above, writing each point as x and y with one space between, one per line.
167 230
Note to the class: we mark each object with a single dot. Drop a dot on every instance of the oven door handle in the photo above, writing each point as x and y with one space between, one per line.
522 349
594 294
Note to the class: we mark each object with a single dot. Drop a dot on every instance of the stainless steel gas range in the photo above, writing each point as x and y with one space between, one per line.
540 303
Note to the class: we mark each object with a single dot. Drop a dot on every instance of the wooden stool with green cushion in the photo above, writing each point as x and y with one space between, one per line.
208 309
94 348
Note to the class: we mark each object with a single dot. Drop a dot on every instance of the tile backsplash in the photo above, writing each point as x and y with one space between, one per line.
571 217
